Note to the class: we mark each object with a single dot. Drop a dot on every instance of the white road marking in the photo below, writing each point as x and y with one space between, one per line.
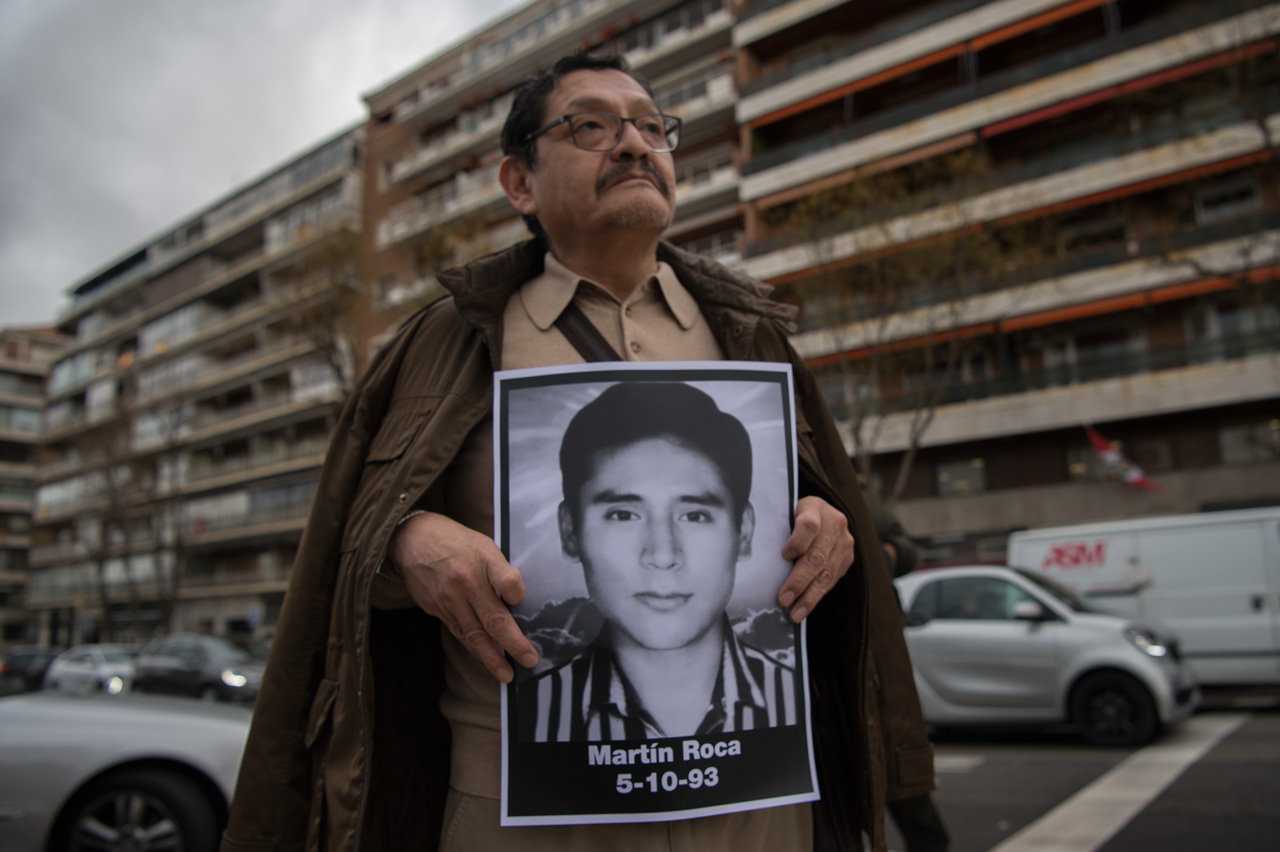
1091 817
957 763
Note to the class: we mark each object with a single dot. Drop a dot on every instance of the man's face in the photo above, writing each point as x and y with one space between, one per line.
658 542
576 193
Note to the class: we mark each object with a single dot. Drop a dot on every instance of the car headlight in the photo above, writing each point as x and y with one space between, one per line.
231 678
1146 641
115 686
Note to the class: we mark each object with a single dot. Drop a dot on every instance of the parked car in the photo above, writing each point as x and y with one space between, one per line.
92 668
133 772
992 644
210 668
22 667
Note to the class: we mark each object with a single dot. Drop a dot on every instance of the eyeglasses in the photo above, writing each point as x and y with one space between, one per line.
601 131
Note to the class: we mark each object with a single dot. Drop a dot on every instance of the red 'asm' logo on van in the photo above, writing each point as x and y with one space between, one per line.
1077 555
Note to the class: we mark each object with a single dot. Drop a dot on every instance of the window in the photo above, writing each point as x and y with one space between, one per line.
969 599
961 477
1226 199
1250 442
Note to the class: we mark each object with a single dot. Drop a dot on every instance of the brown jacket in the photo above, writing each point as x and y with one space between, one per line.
348 750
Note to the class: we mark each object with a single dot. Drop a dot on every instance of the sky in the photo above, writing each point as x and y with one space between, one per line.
119 117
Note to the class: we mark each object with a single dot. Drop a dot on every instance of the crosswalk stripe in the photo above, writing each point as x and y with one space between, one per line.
1091 817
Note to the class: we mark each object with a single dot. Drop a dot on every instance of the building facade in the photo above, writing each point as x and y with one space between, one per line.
187 420
25 356
1002 221
1006 220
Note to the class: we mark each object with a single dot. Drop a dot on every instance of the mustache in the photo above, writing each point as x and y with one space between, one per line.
624 170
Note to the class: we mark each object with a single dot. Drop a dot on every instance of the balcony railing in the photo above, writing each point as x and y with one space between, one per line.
1085 370
308 449
224 577
964 93
246 522
451 145
557 22
467 192
1162 248
880 35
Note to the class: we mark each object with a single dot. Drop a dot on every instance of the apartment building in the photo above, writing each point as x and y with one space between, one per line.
187 420
25 356
1006 220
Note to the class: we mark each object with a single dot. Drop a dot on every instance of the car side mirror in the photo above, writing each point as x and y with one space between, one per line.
1030 611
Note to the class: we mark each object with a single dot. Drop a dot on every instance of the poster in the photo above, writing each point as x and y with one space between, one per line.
646 506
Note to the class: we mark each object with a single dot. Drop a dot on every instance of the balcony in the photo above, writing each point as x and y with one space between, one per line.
517 45
706 183
704 103
470 136
56 554
495 239
196 583
470 193
235 421
305 177
685 34
1089 178
1088 69
290 458
209 375
285 521
1018 305
882 49
1160 381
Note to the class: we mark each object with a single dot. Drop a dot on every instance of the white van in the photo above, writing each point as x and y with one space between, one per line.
1211 579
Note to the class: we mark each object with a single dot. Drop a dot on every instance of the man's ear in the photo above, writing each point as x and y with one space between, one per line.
745 530
516 178
568 534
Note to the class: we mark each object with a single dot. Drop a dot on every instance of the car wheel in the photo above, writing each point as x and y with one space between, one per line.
1115 710
140 810
209 694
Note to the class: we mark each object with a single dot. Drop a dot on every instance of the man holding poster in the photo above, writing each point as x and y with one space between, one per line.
378 725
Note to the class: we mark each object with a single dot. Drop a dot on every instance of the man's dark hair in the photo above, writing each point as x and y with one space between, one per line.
630 412
528 108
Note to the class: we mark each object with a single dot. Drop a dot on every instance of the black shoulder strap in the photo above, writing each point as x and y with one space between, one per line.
584 336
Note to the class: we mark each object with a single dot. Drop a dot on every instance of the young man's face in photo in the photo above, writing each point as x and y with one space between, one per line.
658 542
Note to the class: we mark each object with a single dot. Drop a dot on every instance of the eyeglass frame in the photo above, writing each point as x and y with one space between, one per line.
622 126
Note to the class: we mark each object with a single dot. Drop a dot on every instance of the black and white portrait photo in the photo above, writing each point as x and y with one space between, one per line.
646 507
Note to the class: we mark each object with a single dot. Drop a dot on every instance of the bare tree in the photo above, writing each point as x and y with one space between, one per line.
900 292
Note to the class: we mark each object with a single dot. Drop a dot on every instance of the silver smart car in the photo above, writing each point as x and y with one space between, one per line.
993 645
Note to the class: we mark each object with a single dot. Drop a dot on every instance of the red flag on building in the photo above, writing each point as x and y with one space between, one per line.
1116 464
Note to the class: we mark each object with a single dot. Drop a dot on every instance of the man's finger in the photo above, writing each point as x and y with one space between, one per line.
822 562
498 626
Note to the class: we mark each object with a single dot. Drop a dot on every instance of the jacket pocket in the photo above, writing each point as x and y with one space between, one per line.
399 427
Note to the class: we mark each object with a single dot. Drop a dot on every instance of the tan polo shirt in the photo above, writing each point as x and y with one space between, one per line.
659 321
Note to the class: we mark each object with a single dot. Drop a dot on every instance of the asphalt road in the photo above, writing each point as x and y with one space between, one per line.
1211 784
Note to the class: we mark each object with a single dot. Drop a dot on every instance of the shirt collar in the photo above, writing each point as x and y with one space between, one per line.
547 295
610 693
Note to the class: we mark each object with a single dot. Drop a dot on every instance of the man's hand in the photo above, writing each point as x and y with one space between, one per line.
457 575
822 549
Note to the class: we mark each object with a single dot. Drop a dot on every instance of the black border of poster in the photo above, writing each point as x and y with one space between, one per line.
546 783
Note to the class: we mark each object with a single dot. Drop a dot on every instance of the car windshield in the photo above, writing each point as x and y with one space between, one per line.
1062 593
226 652
117 656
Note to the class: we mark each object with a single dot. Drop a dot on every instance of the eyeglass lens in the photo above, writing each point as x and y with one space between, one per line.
600 131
